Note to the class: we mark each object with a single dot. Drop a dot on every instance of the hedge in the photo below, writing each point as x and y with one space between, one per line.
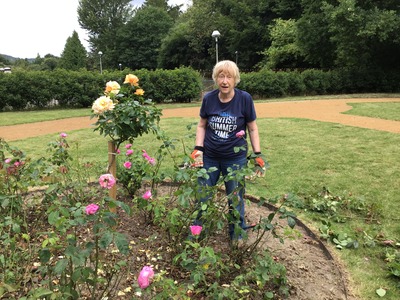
38 89
272 84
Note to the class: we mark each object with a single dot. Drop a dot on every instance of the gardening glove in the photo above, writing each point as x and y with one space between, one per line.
197 156
260 165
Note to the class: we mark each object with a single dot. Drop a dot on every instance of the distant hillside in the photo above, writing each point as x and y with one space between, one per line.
12 59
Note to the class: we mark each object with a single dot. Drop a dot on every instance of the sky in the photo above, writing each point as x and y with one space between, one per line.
38 27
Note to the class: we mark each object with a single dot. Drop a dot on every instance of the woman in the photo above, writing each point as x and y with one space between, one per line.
225 115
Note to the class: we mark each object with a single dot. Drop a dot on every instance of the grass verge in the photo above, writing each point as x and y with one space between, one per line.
386 110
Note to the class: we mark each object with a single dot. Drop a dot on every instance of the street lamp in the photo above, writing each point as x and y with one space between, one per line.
216 35
120 66
101 66
236 56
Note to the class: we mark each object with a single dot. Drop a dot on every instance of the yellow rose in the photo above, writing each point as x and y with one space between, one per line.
102 104
131 79
112 87
139 92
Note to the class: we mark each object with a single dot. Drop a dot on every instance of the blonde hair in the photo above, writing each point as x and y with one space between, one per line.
227 66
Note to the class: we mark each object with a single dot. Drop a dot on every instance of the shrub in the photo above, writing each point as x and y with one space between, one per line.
39 89
76 233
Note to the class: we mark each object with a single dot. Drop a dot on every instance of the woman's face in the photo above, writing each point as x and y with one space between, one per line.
226 82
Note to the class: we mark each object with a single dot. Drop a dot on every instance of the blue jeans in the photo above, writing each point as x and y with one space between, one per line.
234 189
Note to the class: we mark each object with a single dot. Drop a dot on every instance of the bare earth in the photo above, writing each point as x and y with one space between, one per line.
320 110
312 270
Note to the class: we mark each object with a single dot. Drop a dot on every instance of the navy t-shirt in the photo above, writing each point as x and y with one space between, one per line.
224 121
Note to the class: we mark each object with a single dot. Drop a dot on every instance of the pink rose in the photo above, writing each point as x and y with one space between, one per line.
8 160
388 243
63 135
107 181
129 152
240 134
91 209
128 146
117 151
196 229
127 165
145 155
151 161
147 195
145 277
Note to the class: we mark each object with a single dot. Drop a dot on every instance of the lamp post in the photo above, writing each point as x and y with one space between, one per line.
120 66
216 35
236 56
101 66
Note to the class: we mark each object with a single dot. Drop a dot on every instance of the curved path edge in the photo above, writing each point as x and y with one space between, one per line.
330 110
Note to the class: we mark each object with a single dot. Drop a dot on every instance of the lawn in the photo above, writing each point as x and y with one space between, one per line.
387 110
360 167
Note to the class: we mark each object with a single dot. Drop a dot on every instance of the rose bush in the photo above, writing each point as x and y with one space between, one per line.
123 113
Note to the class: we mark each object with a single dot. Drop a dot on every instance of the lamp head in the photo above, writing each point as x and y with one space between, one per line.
216 34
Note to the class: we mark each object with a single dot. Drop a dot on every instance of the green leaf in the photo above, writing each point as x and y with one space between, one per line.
60 266
122 243
271 216
4 201
7 287
51 188
41 292
16 228
269 295
44 255
381 292
291 222
125 207
265 276
53 217
64 211
105 240
76 275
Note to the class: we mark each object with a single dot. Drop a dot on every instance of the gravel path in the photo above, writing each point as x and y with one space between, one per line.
319 110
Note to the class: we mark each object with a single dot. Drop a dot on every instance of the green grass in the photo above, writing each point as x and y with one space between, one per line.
305 156
386 110
14 118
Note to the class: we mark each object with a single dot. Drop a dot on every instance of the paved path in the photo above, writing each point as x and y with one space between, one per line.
319 110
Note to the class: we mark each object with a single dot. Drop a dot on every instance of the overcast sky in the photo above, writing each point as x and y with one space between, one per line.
32 27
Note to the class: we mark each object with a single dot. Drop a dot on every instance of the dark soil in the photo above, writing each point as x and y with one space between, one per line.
312 271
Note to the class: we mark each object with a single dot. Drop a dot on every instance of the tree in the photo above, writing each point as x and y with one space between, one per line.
350 34
314 38
283 9
173 10
242 24
4 61
103 19
284 51
175 50
73 56
363 37
140 40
